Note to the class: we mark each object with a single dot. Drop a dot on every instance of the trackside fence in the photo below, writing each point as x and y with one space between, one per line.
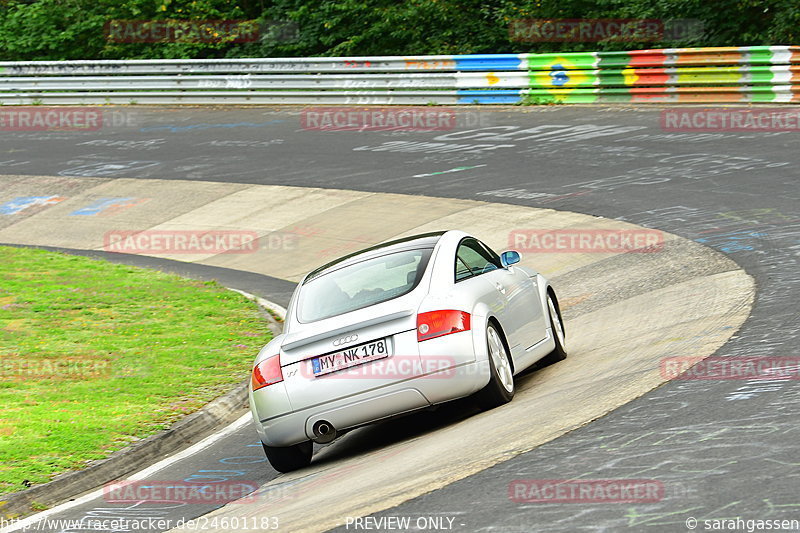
768 74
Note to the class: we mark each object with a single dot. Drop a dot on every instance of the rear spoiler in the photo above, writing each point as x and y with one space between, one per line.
302 340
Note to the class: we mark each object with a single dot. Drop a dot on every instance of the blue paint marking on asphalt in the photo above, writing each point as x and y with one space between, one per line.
734 241
206 126
23 202
102 205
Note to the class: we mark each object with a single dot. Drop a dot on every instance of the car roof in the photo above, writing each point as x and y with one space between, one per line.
423 240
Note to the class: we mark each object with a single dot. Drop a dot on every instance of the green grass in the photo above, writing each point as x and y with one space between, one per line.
94 356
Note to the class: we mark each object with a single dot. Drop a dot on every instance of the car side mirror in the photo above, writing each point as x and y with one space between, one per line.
509 258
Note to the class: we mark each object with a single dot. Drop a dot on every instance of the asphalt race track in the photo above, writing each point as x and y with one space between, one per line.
720 448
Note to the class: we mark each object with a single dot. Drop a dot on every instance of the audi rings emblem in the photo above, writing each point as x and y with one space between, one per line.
345 340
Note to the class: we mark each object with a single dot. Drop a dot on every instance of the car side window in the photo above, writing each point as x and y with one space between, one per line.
491 253
462 270
473 259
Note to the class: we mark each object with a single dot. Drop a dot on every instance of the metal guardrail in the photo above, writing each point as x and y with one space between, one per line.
700 75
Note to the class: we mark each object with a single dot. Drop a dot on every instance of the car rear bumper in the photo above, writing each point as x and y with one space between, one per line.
364 407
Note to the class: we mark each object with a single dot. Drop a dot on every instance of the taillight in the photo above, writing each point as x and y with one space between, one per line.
267 372
437 323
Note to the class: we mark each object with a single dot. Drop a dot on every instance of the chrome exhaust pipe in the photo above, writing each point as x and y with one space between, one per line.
324 432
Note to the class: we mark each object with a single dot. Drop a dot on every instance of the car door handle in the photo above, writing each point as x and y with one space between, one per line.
499 287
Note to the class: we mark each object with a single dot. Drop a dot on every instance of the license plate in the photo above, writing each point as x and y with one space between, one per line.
349 357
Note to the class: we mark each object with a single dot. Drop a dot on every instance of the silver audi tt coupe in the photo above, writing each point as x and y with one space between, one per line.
395 328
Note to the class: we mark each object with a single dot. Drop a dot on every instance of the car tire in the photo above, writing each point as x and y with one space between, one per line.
501 388
559 353
286 459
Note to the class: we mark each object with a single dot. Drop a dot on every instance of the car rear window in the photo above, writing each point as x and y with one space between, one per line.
361 284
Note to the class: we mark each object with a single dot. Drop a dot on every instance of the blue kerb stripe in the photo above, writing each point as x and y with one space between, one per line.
489 62
489 97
